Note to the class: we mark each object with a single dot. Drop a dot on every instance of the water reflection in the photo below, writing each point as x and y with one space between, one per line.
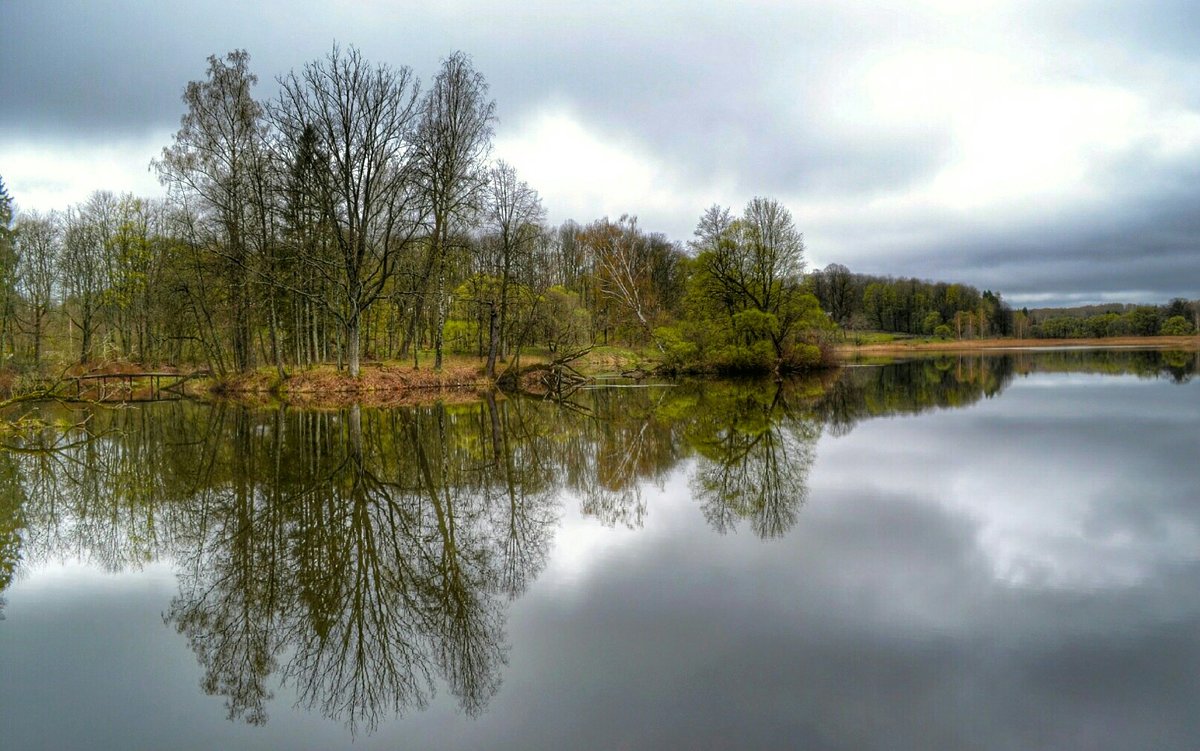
365 558
373 550
755 449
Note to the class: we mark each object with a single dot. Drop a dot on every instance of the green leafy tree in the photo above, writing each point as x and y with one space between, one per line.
746 305
1143 320
1177 326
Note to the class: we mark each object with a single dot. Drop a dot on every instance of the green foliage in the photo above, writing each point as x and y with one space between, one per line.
932 323
1143 320
461 336
679 351
1177 326
908 306
746 308
751 326
709 339
753 357
565 321
942 331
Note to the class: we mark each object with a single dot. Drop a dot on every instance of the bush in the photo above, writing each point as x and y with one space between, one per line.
461 337
802 357
932 322
758 357
752 326
679 354
1177 326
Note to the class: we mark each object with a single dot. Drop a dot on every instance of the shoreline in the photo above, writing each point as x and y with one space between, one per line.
461 381
378 385
848 353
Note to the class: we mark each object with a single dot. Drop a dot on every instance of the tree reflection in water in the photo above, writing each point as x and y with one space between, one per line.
369 548
365 557
755 448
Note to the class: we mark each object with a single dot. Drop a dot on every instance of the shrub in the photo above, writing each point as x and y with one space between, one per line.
758 357
679 353
1177 326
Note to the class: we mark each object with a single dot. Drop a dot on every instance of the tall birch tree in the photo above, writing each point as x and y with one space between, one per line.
454 140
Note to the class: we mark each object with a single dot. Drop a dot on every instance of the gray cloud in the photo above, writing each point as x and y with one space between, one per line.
763 100
1142 244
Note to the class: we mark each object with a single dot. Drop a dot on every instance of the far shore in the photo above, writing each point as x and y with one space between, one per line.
850 352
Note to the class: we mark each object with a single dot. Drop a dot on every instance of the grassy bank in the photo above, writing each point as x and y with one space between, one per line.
878 346
395 382
386 383
462 378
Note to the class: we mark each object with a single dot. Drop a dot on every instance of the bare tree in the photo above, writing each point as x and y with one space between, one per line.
774 264
86 241
39 239
362 117
454 140
624 268
713 228
213 157
515 212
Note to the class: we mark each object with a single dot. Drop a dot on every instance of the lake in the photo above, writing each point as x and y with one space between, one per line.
986 552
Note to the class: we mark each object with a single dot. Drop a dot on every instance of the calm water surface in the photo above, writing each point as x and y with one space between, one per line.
983 552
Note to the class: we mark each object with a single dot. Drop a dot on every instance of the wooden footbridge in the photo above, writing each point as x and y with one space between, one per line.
148 386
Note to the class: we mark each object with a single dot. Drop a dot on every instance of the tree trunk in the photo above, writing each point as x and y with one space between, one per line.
276 352
352 327
438 334
491 359
504 309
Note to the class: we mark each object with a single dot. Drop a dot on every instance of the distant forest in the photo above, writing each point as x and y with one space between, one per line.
359 216
910 306
863 302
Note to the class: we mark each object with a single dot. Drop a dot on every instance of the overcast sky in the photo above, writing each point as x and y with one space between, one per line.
1047 150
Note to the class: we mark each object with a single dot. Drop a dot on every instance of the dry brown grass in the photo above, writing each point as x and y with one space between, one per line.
851 351
460 380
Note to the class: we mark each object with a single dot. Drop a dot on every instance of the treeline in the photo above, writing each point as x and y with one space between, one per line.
1177 318
359 216
860 302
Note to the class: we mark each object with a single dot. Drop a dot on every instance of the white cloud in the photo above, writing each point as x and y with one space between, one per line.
584 174
42 175
1021 140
